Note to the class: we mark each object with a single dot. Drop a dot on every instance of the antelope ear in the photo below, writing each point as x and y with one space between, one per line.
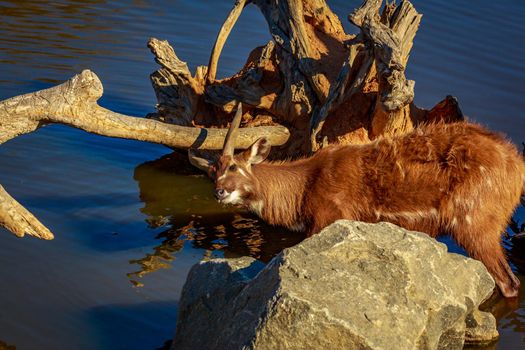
258 152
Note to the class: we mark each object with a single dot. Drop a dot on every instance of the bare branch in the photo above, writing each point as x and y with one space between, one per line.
339 92
176 89
18 220
369 8
222 37
391 45
74 103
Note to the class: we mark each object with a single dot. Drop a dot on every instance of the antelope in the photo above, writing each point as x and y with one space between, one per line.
458 179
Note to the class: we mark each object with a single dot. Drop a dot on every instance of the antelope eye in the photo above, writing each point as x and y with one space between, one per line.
232 167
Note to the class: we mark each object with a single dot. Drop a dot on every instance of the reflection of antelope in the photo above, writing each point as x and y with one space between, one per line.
444 178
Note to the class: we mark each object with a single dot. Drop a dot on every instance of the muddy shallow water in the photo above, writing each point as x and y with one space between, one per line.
129 220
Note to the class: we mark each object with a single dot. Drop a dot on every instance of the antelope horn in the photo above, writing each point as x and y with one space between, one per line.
198 162
229 140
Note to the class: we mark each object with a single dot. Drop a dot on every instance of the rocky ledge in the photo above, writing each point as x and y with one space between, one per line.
352 286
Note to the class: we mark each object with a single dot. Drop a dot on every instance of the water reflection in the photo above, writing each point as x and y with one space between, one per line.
5 346
516 242
65 175
510 318
178 200
53 30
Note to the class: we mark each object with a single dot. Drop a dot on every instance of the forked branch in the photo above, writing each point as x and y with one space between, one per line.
74 103
222 37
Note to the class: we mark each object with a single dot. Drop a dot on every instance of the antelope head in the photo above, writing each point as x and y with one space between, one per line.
232 173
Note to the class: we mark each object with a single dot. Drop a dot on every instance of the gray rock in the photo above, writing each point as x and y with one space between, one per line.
352 286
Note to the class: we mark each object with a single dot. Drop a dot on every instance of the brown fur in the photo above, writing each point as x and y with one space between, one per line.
457 179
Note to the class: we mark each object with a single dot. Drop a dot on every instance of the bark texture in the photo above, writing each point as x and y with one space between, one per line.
74 103
352 286
323 84
311 85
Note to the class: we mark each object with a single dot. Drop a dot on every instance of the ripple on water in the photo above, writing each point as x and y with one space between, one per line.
124 211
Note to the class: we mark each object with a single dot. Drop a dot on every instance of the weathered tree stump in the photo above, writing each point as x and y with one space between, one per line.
311 85
323 84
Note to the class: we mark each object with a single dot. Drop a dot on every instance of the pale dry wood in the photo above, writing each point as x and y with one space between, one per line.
339 92
224 32
301 60
18 220
74 103
303 77
247 87
368 10
387 39
391 46
281 83
303 32
176 89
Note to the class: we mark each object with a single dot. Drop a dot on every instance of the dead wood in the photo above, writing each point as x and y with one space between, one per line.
18 220
74 103
311 85
322 83
221 39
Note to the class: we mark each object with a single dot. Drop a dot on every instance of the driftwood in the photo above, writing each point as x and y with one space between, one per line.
311 85
321 83
74 103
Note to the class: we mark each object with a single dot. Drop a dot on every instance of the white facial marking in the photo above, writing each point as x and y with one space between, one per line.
221 177
232 198
243 173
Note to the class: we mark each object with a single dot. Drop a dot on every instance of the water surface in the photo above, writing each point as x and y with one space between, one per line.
129 220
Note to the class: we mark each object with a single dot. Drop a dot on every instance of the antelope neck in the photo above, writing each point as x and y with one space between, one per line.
280 190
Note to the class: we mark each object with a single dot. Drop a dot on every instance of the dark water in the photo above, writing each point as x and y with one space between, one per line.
129 220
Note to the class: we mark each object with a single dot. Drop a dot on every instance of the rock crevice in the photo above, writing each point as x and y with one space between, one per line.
352 286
